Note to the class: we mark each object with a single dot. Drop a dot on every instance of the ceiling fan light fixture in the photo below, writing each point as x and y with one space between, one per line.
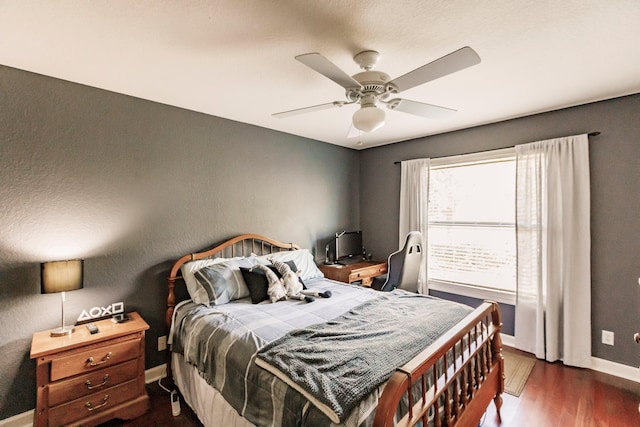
368 119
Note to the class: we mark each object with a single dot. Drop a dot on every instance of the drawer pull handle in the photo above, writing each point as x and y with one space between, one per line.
90 406
104 381
91 362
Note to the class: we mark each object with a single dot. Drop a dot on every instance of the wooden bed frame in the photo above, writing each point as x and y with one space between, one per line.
461 390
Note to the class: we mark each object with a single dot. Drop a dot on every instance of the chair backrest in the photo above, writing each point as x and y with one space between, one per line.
403 268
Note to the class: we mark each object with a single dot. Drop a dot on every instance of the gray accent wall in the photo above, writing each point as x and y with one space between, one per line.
615 201
131 185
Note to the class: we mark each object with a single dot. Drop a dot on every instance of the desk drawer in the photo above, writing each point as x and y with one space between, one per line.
367 272
94 359
74 388
92 404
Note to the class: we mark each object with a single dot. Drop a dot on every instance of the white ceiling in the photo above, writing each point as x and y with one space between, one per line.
235 59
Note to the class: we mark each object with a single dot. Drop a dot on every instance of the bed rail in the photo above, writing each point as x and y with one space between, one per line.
462 389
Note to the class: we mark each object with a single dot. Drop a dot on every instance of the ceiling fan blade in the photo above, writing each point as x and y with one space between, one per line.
420 109
455 61
308 109
328 69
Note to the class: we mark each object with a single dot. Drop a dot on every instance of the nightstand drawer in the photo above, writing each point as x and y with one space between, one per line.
92 404
66 390
94 359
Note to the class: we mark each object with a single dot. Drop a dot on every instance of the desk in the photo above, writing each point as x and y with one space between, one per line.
363 271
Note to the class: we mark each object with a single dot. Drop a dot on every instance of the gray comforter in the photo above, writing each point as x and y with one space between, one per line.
341 361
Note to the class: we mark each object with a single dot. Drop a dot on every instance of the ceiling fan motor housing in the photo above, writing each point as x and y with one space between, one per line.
372 82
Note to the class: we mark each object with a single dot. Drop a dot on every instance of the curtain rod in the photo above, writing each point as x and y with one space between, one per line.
596 133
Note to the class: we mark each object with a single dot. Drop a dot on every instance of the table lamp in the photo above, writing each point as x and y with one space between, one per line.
61 276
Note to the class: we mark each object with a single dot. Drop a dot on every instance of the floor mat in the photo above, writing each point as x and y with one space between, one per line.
516 372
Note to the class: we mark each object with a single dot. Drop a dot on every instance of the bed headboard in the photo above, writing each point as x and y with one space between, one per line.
242 245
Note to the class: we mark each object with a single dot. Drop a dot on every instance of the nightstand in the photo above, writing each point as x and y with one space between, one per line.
87 379
363 271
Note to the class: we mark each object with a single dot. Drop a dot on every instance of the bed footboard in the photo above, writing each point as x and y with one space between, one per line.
464 369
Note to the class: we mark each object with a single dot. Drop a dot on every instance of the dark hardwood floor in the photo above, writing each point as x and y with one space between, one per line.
159 415
557 395
554 396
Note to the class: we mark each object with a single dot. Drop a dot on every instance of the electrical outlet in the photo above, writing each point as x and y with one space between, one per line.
162 343
607 337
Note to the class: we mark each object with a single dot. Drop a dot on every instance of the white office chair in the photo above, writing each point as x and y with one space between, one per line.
403 267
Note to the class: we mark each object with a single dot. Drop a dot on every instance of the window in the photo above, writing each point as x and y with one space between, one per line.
471 225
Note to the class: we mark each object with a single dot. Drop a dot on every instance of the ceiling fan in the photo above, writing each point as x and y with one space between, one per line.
370 88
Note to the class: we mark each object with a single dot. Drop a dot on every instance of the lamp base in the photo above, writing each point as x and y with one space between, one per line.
63 331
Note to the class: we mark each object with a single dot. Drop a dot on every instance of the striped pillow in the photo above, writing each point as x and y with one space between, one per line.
220 283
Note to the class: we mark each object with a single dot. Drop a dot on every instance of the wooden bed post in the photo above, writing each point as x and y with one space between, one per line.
171 304
496 349
171 301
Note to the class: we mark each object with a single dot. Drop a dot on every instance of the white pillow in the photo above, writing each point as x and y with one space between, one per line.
216 281
302 258
189 268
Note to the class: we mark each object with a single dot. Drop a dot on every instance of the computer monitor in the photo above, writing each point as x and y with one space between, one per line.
349 246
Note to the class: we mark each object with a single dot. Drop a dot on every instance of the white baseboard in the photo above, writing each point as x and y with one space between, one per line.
615 369
25 419
508 340
600 365
156 373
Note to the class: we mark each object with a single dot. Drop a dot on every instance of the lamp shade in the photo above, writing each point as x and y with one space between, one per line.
368 119
61 276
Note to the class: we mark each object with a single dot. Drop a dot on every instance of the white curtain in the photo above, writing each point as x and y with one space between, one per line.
553 308
414 199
